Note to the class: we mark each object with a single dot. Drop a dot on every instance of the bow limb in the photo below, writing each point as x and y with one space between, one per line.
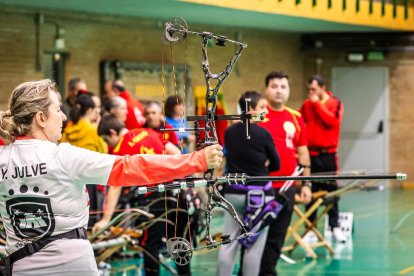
217 200
212 92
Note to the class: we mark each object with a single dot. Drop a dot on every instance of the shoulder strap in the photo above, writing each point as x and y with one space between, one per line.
35 246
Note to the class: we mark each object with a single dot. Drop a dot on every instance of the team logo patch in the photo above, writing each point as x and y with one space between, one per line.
31 217
289 128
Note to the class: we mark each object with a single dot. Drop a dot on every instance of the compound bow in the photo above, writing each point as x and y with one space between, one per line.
179 248
176 31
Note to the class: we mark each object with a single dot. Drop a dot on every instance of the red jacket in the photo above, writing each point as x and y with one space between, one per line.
135 117
221 125
323 122
166 136
139 141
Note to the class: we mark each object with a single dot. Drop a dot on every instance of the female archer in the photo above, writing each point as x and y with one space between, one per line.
43 202
258 157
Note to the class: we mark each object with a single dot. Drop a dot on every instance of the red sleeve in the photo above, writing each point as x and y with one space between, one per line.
331 117
140 170
303 138
131 121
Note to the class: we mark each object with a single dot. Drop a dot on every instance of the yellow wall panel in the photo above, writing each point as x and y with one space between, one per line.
321 11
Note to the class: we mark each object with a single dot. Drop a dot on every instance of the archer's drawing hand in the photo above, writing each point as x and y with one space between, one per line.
214 156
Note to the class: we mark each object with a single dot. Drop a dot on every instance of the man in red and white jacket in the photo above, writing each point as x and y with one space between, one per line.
135 117
289 136
322 113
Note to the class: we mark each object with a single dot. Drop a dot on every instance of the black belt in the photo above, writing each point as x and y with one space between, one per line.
6 263
323 150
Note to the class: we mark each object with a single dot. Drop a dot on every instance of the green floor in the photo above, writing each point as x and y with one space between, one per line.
374 250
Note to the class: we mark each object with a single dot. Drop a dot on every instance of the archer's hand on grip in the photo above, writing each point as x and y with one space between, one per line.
214 156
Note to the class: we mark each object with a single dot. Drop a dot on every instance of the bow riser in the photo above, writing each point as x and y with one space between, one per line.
176 31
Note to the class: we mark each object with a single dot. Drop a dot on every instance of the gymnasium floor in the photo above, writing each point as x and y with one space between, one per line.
373 250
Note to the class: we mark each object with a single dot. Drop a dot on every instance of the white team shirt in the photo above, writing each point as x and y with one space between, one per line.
42 188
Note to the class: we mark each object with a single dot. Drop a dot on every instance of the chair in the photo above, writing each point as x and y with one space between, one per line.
294 231
320 198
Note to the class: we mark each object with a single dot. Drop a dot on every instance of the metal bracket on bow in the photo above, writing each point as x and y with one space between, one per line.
176 30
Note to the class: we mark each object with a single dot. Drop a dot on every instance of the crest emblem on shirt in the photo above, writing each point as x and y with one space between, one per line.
290 130
31 217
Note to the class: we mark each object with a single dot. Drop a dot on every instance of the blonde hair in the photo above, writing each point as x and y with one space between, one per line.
26 100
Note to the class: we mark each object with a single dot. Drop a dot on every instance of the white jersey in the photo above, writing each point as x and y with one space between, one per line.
42 190
43 193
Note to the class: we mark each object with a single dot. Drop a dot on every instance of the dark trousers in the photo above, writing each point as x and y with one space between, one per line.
276 236
327 162
153 236
96 200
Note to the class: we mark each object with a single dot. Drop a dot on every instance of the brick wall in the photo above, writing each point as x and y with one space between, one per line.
401 117
91 39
